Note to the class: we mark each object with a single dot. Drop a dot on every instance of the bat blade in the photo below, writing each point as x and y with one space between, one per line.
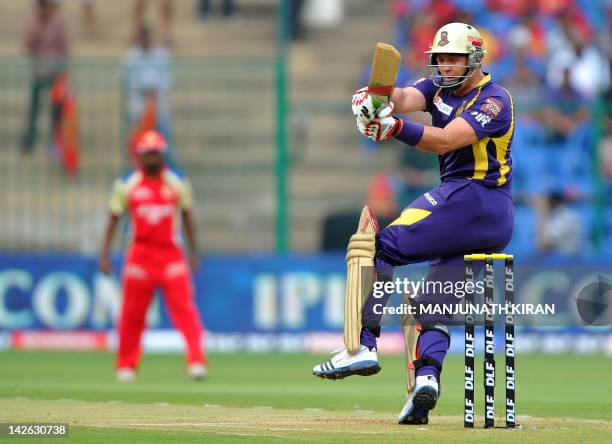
385 68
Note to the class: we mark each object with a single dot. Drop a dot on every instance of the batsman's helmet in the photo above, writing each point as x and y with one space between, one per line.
150 141
456 38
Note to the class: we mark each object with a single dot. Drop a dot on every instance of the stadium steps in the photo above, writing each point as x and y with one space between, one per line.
190 36
232 170
335 169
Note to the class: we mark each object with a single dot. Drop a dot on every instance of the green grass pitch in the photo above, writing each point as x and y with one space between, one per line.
274 398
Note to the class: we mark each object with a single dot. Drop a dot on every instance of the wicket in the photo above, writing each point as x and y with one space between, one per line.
489 341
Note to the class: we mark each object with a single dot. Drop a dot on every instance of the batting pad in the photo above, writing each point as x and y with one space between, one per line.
360 276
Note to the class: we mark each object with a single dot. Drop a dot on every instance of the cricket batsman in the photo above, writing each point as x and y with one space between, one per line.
155 197
470 211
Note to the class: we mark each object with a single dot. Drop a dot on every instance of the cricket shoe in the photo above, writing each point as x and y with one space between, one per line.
364 363
126 374
418 404
197 371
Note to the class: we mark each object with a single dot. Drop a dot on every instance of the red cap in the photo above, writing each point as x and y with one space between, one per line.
151 141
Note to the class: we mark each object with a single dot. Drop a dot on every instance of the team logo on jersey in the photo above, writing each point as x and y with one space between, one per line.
481 118
443 39
442 107
492 107
167 192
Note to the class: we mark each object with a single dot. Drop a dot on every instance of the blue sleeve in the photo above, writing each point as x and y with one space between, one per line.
428 89
490 116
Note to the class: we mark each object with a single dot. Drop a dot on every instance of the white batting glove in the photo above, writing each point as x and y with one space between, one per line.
382 127
363 106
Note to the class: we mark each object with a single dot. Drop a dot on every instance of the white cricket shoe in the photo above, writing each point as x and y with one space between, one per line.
126 374
420 402
197 371
364 363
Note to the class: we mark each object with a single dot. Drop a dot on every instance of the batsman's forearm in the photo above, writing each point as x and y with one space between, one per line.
401 101
426 138
407 100
435 140
397 99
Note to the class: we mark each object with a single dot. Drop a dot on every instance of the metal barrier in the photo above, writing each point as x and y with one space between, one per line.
223 126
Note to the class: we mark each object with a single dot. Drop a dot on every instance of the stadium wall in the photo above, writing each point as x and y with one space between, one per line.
255 303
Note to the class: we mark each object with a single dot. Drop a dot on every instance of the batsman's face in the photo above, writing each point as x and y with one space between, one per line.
452 66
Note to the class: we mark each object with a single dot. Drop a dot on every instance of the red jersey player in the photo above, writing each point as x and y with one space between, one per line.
154 196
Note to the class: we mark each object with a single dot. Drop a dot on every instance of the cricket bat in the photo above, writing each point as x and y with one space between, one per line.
385 68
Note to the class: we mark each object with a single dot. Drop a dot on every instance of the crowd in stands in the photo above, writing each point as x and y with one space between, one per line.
554 57
146 66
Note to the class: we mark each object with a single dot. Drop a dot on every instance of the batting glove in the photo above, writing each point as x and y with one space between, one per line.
382 127
363 106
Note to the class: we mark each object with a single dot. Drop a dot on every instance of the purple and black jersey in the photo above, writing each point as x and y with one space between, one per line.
489 110
471 211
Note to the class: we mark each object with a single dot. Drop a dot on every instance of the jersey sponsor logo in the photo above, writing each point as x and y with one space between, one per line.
142 193
134 271
481 118
154 213
492 107
442 107
430 199
176 269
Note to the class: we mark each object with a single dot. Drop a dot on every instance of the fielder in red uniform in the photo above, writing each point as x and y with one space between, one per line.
155 197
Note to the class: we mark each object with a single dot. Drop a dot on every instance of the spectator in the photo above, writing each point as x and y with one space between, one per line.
509 7
606 158
228 9
296 29
562 22
88 18
421 30
166 14
147 80
528 34
399 10
442 10
565 110
526 85
561 229
317 14
589 71
46 43
605 149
